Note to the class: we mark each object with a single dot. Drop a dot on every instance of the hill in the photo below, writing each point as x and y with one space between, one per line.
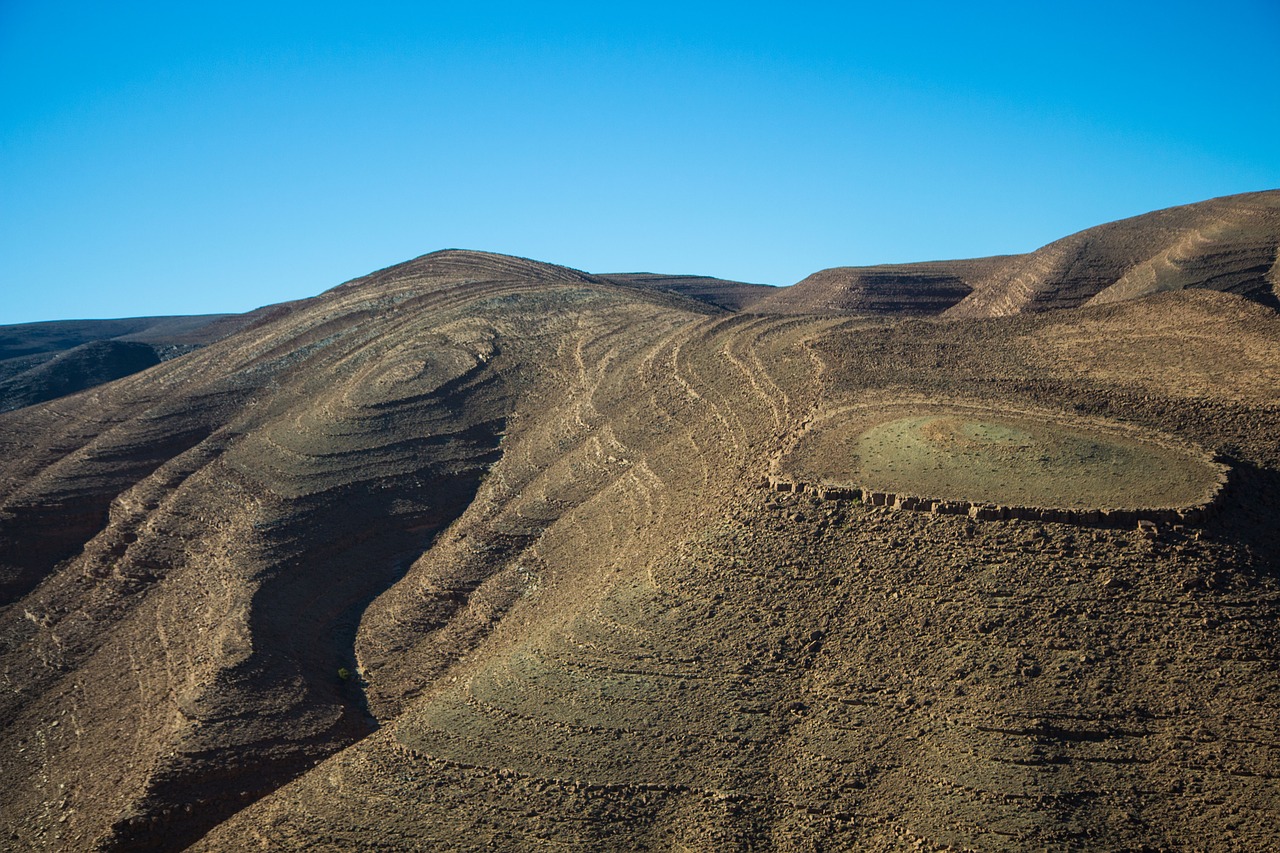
477 552
1227 244
44 361
75 369
893 289
730 295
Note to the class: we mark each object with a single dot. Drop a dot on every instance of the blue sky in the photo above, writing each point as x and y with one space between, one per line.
164 158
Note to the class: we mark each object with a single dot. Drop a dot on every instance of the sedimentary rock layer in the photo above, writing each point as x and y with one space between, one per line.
472 553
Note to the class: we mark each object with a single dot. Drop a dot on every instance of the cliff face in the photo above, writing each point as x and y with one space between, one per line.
479 552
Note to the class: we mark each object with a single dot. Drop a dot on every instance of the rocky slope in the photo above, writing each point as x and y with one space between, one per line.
893 289
44 361
1227 244
479 553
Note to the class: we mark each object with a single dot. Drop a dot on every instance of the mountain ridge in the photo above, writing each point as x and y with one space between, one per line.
479 552
1230 243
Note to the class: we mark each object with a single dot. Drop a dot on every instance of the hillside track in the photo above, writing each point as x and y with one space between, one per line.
693 662
479 553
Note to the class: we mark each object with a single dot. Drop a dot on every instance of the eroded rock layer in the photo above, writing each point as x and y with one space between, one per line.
475 553
1227 244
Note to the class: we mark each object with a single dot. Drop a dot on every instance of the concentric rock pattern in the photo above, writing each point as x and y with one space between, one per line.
477 553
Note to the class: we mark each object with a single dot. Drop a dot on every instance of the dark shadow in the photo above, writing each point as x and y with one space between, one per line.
36 537
1250 515
335 553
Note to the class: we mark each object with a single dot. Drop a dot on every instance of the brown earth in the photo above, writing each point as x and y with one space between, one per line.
1228 244
476 553
44 361
897 289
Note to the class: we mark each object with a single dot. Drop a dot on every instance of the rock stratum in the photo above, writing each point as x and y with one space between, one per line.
480 553
1227 244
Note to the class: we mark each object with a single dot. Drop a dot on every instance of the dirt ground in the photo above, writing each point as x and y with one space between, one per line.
477 553
994 457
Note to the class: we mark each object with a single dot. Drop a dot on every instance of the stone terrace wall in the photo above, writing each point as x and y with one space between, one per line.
996 512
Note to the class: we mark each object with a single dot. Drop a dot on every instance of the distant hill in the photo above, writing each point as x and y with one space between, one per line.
1227 244
924 288
481 553
47 360
76 369
730 295
35 339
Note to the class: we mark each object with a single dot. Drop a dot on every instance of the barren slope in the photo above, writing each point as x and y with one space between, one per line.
896 289
676 657
1227 244
524 511
258 493
44 361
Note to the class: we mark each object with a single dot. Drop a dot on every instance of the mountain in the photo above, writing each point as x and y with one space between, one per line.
895 289
44 361
477 552
1227 244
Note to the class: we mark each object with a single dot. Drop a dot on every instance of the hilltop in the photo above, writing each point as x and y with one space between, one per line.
478 552
1227 244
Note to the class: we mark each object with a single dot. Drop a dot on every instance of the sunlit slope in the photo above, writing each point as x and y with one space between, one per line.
165 669
479 553
1227 244
662 654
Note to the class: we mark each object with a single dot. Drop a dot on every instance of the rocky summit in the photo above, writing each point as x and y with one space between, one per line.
481 553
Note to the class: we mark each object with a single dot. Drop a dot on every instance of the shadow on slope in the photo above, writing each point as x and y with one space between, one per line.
75 370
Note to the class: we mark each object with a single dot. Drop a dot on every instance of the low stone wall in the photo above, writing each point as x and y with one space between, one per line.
995 512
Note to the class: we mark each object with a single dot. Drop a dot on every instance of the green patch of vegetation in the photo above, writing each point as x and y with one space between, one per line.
1003 459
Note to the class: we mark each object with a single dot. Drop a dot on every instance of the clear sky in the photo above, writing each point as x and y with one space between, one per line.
180 158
